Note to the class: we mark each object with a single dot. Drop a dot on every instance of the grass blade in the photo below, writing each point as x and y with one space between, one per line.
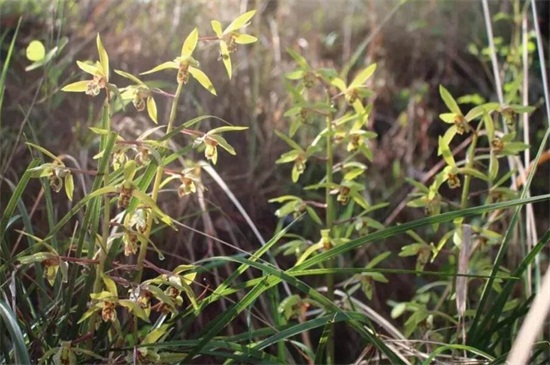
10 322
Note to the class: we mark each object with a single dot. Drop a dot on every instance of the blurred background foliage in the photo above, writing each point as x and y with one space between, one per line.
417 44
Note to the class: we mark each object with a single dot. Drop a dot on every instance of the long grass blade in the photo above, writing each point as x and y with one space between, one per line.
10 323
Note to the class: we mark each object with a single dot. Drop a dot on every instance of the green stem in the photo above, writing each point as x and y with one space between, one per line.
106 208
467 177
102 257
156 188
329 224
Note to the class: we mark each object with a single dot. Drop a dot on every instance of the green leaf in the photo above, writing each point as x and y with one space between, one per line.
376 260
35 51
155 335
190 44
362 76
76 87
103 58
202 79
449 100
162 66
10 323
240 22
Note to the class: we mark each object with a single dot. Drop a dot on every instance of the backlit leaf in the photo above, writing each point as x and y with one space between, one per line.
35 51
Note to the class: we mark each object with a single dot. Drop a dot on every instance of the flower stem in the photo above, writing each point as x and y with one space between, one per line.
467 177
329 221
156 187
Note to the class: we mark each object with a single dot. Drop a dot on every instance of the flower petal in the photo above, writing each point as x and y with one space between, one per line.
190 43
363 76
245 39
202 79
217 27
240 22
225 57
162 66
129 77
152 109
339 83
76 87
103 58
86 67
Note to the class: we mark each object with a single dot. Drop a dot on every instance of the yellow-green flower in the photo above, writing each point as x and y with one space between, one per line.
99 71
231 36
140 94
186 64
354 92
